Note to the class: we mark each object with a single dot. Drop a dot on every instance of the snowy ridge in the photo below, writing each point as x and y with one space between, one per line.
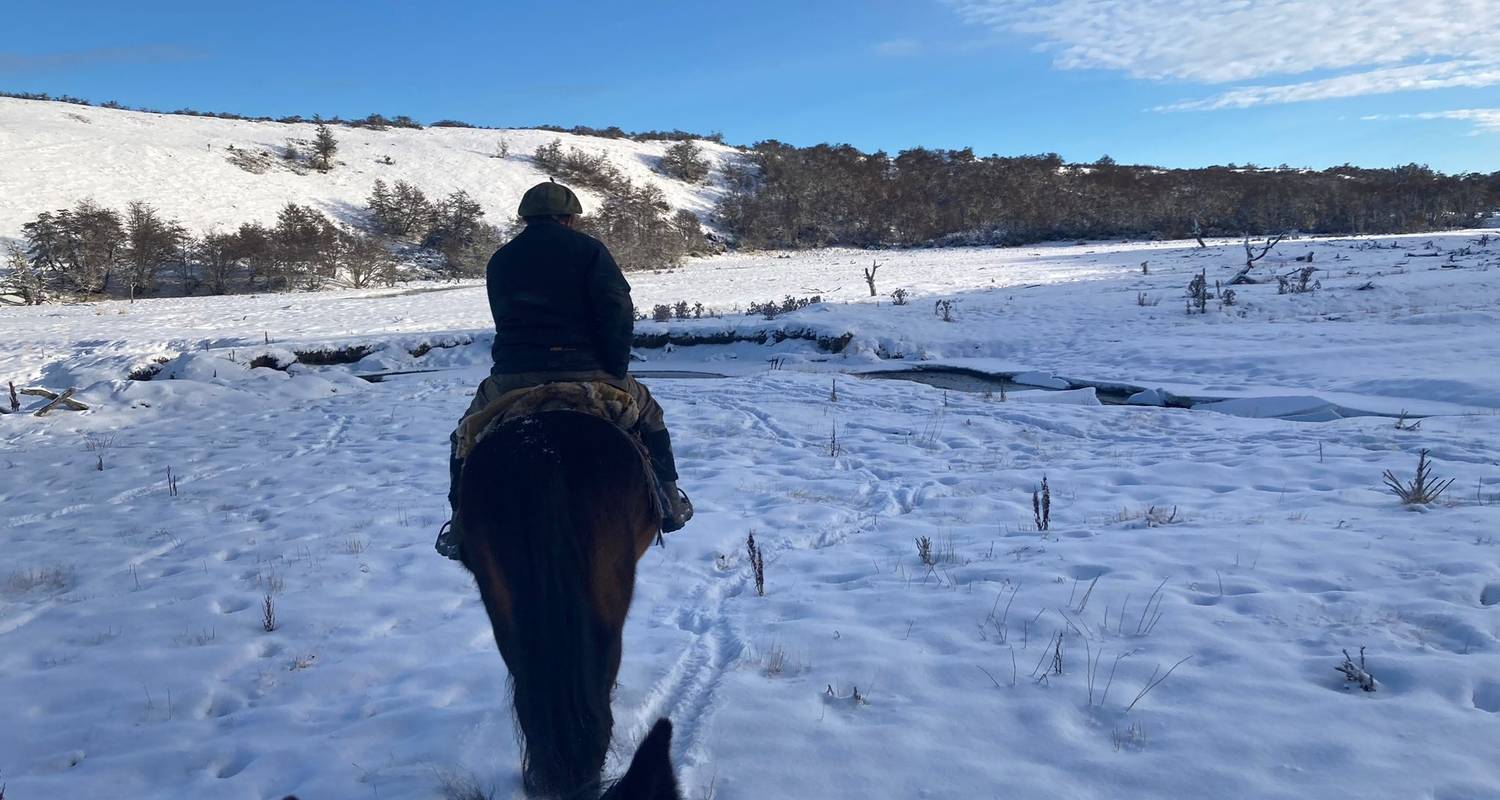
54 154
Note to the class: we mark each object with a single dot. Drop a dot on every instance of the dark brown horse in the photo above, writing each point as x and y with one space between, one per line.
556 511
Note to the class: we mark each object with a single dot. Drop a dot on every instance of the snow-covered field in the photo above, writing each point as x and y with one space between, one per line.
53 155
133 659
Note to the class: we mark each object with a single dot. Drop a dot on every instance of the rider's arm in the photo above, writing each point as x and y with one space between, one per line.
614 314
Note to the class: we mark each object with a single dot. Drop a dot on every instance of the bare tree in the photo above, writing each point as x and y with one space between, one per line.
870 276
1243 276
216 256
363 261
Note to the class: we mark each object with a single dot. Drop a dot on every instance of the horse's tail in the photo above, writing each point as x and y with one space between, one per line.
536 500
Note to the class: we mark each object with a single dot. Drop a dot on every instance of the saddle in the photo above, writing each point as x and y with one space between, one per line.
596 399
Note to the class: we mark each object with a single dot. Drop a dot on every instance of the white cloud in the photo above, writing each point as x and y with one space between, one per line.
1380 46
1384 80
1486 120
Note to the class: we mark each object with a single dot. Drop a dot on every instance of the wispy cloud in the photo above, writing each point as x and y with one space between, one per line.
897 48
1384 80
1375 46
11 62
1486 120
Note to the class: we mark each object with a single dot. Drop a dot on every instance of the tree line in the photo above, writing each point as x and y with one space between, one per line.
92 250
775 196
781 196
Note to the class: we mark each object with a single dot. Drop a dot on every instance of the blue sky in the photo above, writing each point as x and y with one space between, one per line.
1170 82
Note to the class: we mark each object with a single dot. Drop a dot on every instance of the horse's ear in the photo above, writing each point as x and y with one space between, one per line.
650 776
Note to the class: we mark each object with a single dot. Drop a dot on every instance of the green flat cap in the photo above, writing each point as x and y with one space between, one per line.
549 200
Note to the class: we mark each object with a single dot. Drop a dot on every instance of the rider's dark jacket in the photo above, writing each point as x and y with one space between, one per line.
560 304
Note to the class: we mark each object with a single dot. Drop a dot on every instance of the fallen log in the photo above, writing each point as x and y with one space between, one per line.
54 400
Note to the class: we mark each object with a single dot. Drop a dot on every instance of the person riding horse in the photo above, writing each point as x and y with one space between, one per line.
563 313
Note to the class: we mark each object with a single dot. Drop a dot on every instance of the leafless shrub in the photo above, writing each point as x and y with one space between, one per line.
1403 425
924 551
835 449
1422 489
197 638
1145 300
1134 736
99 444
1041 506
757 564
775 660
253 162
1299 282
55 578
1197 294
268 614
1356 673
772 309
355 545
944 309
900 297
1159 517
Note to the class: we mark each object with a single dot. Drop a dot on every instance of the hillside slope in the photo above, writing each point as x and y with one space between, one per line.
54 154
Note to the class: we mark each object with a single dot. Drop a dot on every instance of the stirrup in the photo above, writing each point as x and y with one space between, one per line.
448 544
670 522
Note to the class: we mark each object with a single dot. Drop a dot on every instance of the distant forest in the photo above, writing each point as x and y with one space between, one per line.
798 197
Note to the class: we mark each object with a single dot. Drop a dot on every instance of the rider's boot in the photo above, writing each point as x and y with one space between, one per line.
449 539
679 509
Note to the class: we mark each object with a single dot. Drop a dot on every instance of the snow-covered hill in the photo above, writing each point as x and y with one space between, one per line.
54 154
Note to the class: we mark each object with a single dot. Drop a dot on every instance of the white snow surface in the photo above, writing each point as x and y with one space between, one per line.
54 154
133 661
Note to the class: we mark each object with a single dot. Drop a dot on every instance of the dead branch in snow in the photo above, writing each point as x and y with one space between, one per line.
1243 276
64 400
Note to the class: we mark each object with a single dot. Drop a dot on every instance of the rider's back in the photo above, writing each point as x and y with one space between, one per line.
560 304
